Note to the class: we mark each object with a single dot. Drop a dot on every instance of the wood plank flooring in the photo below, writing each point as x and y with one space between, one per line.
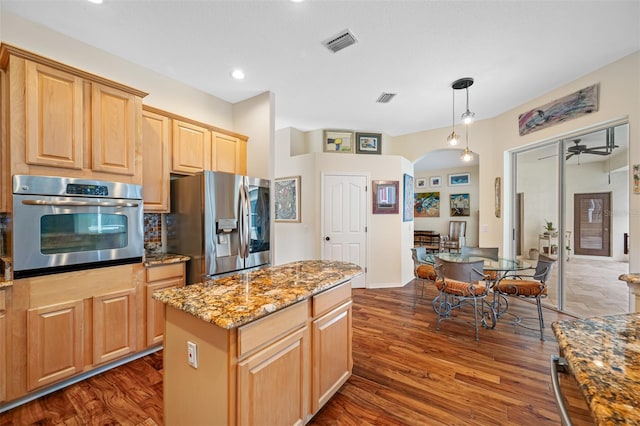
405 373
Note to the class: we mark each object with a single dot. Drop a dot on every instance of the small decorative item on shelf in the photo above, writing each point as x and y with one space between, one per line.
549 229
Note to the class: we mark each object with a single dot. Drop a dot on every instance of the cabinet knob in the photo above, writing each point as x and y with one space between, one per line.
327 238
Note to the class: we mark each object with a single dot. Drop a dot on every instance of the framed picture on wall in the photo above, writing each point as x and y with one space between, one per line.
457 179
421 183
435 181
407 210
426 204
460 205
385 197
368 143
287 199
338 141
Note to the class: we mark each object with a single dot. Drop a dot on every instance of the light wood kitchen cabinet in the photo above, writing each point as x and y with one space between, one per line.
113 121
58 120
54 110
191 151
160 277
155 161
332 361
229 154
54 343
114 326
3 347
272 384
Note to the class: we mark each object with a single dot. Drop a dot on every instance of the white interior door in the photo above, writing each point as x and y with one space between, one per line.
344 221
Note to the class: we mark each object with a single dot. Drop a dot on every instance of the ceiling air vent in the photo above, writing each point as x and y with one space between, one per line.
340 41
385 97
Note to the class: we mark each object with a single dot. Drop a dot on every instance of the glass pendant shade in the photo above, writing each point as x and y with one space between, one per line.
452 139
467 155
468 117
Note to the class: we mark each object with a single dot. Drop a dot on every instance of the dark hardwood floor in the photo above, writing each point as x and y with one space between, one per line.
405 373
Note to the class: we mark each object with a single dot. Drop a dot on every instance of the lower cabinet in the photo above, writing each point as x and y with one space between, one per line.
114 326
54 343
271 383
3 347
332 359
280 369
160 277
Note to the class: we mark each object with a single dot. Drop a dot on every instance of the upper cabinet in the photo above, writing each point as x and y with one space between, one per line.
61 121
113 123
229 153
54 117
155 161
191 148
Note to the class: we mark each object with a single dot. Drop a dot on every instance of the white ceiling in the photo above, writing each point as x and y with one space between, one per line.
515 51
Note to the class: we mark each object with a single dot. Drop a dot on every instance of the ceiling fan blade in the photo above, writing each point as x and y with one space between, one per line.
596 152
569 156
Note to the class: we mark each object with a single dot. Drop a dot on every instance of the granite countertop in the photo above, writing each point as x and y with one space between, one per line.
603 353
163 259
236 300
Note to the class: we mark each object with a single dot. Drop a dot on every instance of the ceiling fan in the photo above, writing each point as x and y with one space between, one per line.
578 149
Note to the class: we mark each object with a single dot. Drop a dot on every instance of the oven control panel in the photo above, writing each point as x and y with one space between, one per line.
83 189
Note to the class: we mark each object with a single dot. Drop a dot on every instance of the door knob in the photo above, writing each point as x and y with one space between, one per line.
327 238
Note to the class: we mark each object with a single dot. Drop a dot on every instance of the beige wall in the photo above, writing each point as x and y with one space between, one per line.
619 99
255 116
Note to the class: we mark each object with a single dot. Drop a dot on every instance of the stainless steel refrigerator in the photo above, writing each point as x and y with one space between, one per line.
221 221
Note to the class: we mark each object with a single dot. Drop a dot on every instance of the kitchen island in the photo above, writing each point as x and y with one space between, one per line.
603 354
270 346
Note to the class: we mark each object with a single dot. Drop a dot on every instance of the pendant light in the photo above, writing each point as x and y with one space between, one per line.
465 83
452 139
467 154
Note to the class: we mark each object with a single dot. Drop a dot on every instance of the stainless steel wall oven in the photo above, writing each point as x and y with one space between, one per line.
67 224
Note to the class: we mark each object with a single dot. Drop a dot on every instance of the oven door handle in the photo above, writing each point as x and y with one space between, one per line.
559 364
78 203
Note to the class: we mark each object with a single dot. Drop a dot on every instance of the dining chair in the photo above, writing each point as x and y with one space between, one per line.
456 236
422 271
459 284
527 286
488 252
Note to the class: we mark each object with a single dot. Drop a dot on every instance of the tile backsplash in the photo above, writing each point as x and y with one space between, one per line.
153 233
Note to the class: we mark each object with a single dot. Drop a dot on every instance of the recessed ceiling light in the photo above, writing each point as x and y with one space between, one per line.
237 74
96 1
296 1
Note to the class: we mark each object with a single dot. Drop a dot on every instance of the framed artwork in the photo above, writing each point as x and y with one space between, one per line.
368 143
385 197
498 195
457 179
435 181
286 192
426 204
407 210
636 178
338 141
421 183
584 101
460 205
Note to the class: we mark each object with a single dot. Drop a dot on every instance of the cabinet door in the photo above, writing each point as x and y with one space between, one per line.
191 148
155 162
229 154
3 348
54 117
155 309
114 322
113 115
273 383
54 343
332 355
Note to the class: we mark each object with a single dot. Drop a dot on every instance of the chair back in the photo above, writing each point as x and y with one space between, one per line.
459 271
543 269
418 254
488 252
457 229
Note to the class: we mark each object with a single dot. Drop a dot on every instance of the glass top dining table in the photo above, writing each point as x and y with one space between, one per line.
499 265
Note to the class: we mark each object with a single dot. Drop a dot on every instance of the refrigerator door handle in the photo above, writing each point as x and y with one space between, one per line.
247 230
241 219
